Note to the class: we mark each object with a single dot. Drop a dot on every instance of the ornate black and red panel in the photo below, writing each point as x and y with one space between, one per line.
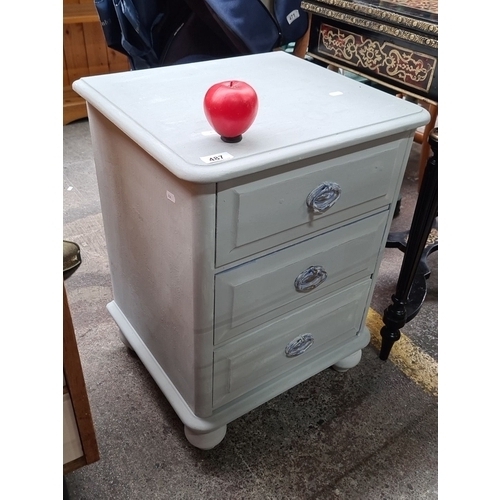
393 42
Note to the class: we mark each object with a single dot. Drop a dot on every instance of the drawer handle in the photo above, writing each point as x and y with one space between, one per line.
309 279
299 345
323 197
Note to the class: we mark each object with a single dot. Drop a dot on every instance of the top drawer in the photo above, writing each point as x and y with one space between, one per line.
266 211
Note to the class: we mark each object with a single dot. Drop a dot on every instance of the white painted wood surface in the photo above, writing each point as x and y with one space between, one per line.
304 111
263 289
203 257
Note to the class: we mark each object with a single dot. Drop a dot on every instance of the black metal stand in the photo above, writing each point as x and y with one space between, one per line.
411 287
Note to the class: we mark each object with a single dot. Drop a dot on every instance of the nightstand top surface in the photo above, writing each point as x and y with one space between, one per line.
304 110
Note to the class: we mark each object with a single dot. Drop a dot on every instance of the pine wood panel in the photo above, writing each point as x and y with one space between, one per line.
80 13
75 381
66 82
75 53
117 62
72 446
85 54
95 44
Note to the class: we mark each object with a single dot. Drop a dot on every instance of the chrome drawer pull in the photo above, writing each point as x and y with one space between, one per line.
309 279
323 197
299 345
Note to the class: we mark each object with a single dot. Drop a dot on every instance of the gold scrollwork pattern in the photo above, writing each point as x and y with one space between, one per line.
384 59
373 25
430 6
386 15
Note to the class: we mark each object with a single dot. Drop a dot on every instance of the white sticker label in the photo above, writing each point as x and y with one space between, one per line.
215 158
170 196
335 94
292 16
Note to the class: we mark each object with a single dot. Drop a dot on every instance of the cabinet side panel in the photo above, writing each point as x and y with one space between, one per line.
161 263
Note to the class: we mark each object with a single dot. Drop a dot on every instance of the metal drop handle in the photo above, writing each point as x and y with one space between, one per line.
299 345
309 279
323 197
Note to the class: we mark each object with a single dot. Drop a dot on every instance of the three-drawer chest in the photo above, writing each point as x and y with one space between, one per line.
239 270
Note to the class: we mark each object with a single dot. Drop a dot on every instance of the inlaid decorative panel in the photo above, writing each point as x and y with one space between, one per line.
424 5
389 9
382 58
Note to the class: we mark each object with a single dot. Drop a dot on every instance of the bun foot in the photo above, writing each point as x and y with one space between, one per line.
348 362
206 440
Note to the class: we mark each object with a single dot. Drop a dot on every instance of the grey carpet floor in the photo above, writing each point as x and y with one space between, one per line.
370 433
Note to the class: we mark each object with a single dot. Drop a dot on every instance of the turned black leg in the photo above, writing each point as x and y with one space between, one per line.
395 316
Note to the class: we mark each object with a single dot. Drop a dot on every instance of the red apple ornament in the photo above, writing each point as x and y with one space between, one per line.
230 108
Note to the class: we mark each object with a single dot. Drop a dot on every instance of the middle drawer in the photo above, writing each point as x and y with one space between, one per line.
261 290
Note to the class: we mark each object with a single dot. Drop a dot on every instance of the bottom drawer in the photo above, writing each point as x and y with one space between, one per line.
266 352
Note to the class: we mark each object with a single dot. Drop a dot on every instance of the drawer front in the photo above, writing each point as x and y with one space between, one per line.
259 291
280 346
258 215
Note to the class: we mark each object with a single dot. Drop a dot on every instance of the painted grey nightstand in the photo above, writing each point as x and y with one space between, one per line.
236 279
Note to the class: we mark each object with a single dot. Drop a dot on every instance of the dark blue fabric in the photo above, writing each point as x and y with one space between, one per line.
110 25
141 29
196 41
136 37
247 22
160 32
292 20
